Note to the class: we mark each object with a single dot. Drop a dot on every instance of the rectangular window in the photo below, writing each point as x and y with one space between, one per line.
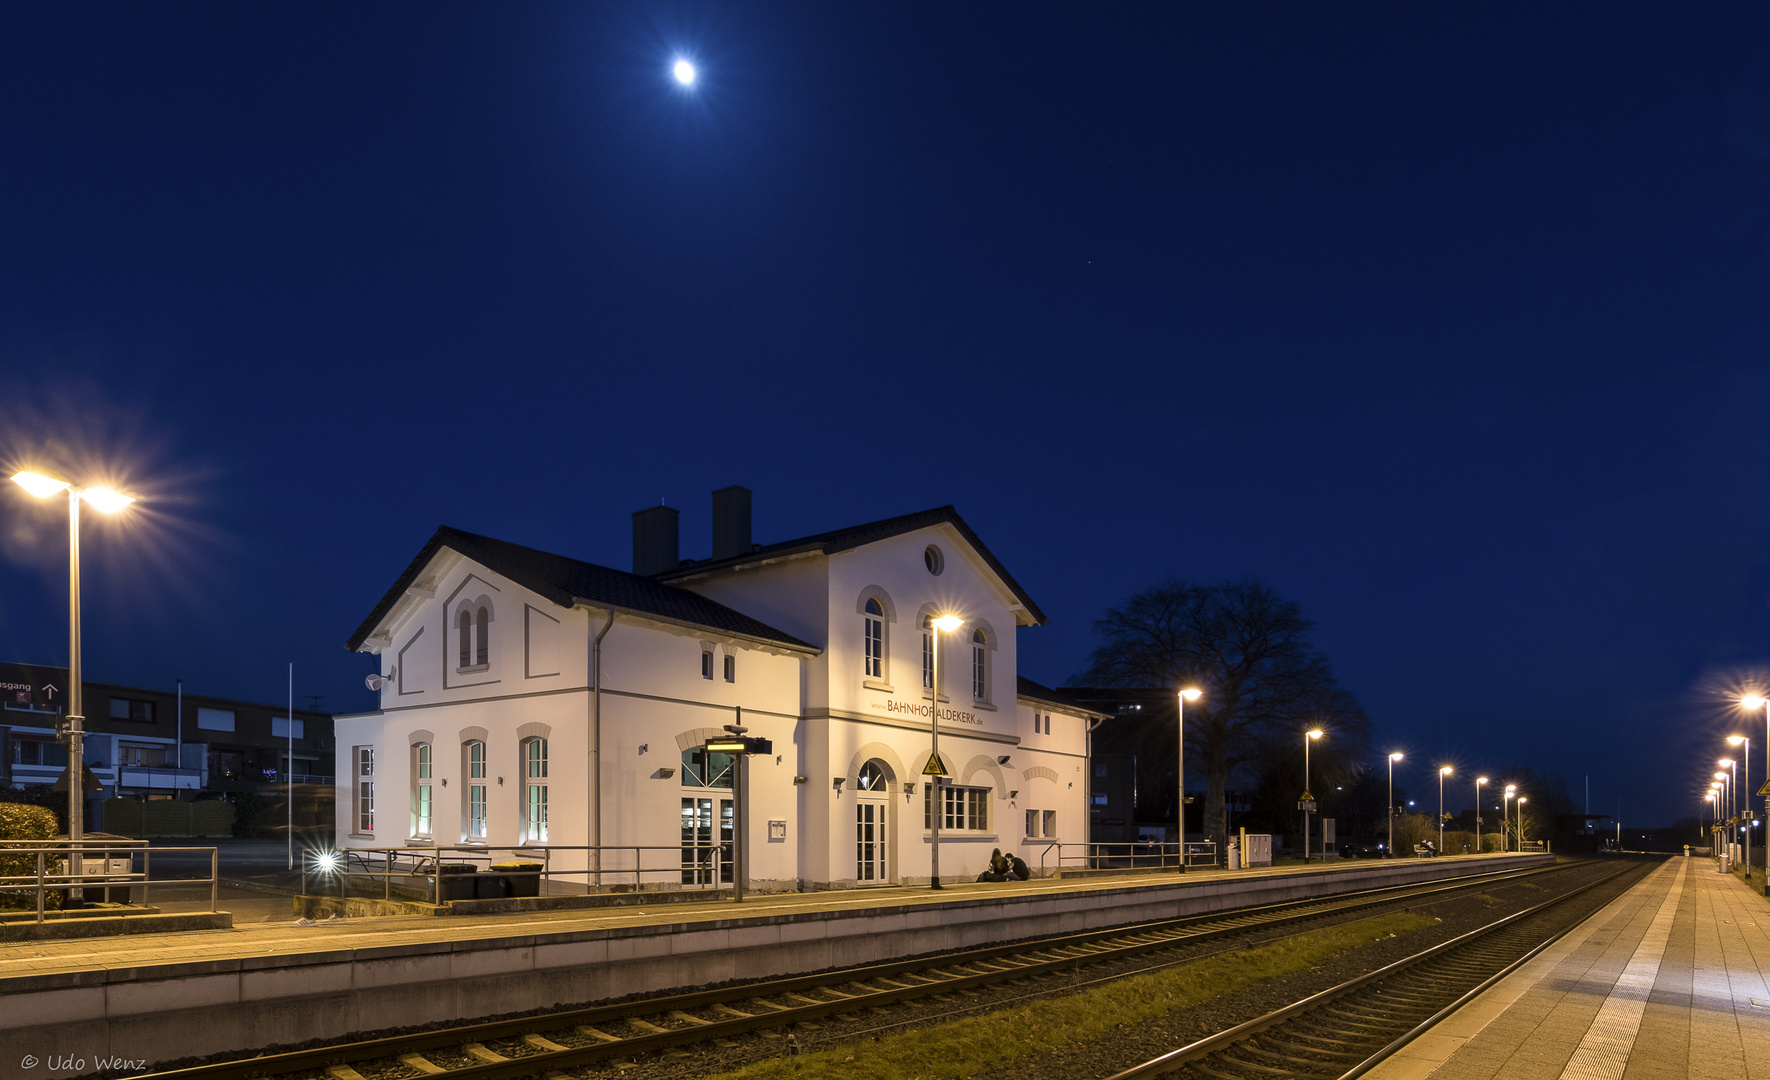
476 790
979 680
422 808
141 712
1050 824
142 757
1032 823
927 661
365 789
534 803
706 664
279 728
875 648
962 808
215 719
731 668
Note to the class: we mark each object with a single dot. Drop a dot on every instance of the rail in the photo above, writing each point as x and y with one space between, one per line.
54 874
1167 854
693 866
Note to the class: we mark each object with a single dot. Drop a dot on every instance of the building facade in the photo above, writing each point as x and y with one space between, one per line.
529 699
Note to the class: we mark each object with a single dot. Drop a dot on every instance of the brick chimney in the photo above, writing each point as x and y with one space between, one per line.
655 548
731 522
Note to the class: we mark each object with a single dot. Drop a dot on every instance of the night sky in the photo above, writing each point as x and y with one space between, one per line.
1447 321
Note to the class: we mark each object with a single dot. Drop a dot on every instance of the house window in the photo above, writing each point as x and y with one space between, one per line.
872 778
927 653
421 803
365 789
215 719
699 771
141 712
534 791
706 663
731 668
875 639
473 633
1041 824
962 808
1032 823
1050 823
141 757
475 753
979 666
482 650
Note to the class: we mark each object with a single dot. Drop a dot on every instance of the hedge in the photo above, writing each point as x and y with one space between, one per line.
21 822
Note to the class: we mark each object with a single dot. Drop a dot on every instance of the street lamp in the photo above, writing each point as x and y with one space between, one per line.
1745 756
1442 773
108 501
1521 801
948 623
1479 780
1732 767
1308 800
1753 701
1506 814
1190 693
1393 758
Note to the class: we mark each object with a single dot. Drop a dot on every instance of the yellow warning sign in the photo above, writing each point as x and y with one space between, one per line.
935 767
1765 790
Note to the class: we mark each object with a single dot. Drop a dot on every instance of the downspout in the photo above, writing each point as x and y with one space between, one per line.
1088 788
596 747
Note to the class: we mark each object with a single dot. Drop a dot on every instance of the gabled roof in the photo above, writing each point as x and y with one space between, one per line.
1032 691
854 536
566 581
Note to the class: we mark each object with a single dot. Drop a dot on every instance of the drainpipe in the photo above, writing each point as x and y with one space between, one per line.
596 746
1088 787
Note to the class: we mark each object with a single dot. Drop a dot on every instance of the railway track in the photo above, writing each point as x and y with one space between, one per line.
1342 1032
547 1044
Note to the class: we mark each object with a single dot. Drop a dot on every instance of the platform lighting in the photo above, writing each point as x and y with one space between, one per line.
1521 801
1479 780
1190 693
1443 772
1393 758
1745 757
1309 736
108 501
1506 814
936 626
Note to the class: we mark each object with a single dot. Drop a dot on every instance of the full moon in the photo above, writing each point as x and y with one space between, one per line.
684 72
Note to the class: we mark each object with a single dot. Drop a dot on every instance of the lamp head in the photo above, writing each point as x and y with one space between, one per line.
1511 788
1735 740
1314 733
1522 799
1395 756
39 485
946 624
1479 780
1192 693
1445 771
1720 776
105 500
1750 701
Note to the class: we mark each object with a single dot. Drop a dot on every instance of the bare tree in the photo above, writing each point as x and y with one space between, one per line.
1248 649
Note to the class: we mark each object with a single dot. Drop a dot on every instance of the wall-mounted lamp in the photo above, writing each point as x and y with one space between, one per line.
664 773
798 779
445 781
909 788
1014 795
500 781
644 746
838 782
777 759
1003 760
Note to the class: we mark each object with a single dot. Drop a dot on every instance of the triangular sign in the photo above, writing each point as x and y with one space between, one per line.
92 782
1765 790
935 766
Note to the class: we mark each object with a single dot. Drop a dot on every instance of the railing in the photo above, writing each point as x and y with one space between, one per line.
52 870
694 866
1166 854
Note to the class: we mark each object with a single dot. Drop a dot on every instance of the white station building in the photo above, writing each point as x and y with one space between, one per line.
531 700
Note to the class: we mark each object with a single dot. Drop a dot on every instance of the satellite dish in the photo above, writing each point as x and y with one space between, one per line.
374 682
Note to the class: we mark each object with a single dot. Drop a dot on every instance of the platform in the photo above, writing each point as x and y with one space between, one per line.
161 997
1671 980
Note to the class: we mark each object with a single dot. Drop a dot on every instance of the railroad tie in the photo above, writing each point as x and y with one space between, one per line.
646 1025
422 1064
727 1010
602 1036
680 1015
343 1072
478 1050
540 1042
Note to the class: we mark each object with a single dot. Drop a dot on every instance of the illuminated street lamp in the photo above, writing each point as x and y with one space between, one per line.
1521 801
1479 780
1181 697
1732 768
1308 800
948 623
1442 773
1755 702
1506 815
1393 758
1745 757
105 500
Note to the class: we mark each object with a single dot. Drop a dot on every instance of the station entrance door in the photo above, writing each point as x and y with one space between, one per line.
872 805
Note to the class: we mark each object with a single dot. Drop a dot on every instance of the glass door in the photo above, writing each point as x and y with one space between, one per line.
706 853
869 842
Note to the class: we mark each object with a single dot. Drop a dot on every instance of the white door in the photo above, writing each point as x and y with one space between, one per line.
869 842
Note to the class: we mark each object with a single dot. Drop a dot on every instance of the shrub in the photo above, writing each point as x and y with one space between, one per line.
19 821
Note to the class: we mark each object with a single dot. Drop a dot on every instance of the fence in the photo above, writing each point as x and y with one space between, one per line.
693 866
51 870
1149 855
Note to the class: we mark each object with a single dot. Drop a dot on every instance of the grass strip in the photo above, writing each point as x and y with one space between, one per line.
960 1048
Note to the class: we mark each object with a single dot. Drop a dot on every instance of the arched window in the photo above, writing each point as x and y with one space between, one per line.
979 666
473 631
474 793
872 777
482 654
534 791
465 624
875 638
421 803
927 652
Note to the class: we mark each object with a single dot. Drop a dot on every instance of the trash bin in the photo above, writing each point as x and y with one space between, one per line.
455 881
519 878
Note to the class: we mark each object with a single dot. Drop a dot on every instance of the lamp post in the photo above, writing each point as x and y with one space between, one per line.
1479 780
739 745
1521 801
1506 814
1181 697
1753 701
1393 758
1732 767
1308 800
1443 772
1724 806
936 797
106 501
1745 755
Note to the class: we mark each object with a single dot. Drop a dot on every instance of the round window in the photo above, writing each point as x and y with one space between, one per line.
933 560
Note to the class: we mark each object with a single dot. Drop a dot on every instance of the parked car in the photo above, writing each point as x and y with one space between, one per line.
1360 851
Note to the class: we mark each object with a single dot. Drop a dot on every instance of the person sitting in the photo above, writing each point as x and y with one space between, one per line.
998 867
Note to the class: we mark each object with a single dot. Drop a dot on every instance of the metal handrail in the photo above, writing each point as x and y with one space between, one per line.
1128 854
709 862
79 879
